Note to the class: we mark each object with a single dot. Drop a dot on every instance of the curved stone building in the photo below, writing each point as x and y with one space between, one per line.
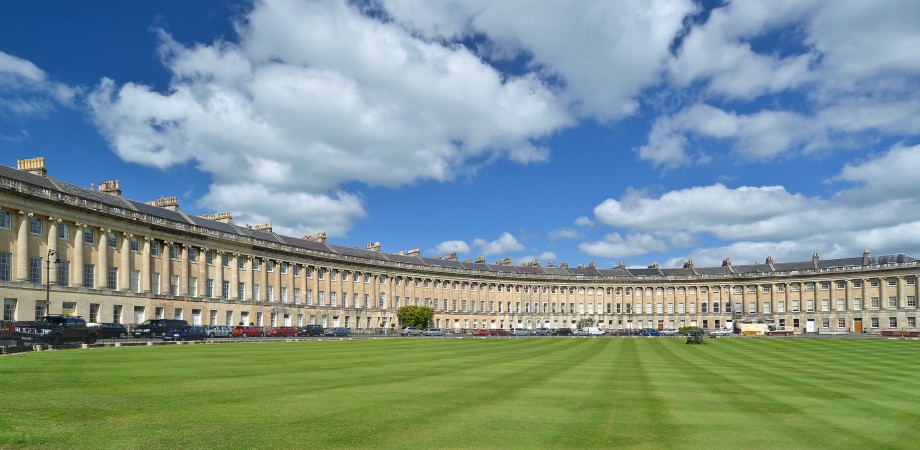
92 252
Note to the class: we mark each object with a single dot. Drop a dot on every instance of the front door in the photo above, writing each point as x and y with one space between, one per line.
857 325
810 326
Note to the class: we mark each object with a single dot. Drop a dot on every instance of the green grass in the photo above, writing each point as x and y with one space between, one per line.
468 393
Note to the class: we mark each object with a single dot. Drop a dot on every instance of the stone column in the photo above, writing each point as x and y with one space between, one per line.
277 282
263 280
51 254
22 247
145 267
183 271
203 273
166 276
124 275
219 274
102 259
234 275
78 255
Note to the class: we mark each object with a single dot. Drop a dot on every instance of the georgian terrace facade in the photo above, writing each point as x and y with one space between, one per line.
66 249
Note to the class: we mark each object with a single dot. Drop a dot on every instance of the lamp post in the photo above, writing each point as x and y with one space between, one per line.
48 279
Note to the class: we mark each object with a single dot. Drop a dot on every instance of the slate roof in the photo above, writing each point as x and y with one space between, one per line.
51 184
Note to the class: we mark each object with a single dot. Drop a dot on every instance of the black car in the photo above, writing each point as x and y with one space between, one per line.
192 333
562 332
156 327
110 330
337 331
312 330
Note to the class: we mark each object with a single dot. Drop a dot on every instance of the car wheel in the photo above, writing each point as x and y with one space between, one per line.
91 339
122 335
261 334
153 335
245 335
211 334
788 334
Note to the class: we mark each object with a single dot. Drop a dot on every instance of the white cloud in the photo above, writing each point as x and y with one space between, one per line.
447 247
584 221
604 52
25 89
315 95
564 234
615 245
543 258
877 213
506 243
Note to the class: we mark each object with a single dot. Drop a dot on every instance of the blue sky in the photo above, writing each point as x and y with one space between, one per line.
587 131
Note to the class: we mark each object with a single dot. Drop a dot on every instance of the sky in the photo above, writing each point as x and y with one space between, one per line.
631 131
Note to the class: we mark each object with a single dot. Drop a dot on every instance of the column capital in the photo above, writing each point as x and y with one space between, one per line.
130 235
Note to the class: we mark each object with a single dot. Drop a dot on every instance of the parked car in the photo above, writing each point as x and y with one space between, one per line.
156 327
337 331
651 332
433 332
220 331
670 332
284 332
519 332
721 332
501 332
109 330
190 333
594 331
482 332
247 331
580 332
410 331
562 331
542 331
312 330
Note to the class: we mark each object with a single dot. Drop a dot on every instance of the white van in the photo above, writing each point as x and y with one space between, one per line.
594 331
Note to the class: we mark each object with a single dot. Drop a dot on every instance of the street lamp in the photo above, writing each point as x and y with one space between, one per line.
48 279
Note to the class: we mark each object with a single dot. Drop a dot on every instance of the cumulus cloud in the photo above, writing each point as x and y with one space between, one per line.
447 247
876 211
564 234
506 243
315 95
26 90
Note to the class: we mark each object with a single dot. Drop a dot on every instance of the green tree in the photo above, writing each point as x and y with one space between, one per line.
585 323
415 316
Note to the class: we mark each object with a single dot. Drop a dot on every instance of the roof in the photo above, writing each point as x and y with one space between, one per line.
42 186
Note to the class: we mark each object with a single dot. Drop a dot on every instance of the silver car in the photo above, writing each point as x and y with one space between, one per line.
434 332
520 332
220 331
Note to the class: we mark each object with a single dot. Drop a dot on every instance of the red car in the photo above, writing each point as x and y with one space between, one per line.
501 332
284 332
482 332
246 331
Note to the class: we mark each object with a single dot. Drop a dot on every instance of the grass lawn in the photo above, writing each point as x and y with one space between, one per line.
468 393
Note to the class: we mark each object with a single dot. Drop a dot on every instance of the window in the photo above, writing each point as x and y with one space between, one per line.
63 231
112 240
873 302
133 245
795 306
9 309
296 295
193 286
910 281
825 285
270 267
209 257
284 295
89 275
892 322
35 269
241 291
892 302
794 287
809 287
841 304
256 264
225 260
155 283
857 284
192 255
174 252
309 298
321 298
912 322
857 303
873 322
225 289
89 237
781 306
766 289
116 313
780 288
6 266
63 272
112 281
841 285
209 288
5 220
284 269
911 301
270 293
155 249
892 282
93 312
809 305
825 304
35 225
174 285
873 283
297 272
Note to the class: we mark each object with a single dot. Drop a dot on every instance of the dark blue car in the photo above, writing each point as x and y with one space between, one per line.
337 331
192 333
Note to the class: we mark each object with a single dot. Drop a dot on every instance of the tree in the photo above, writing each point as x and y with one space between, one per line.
415 316
585 323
